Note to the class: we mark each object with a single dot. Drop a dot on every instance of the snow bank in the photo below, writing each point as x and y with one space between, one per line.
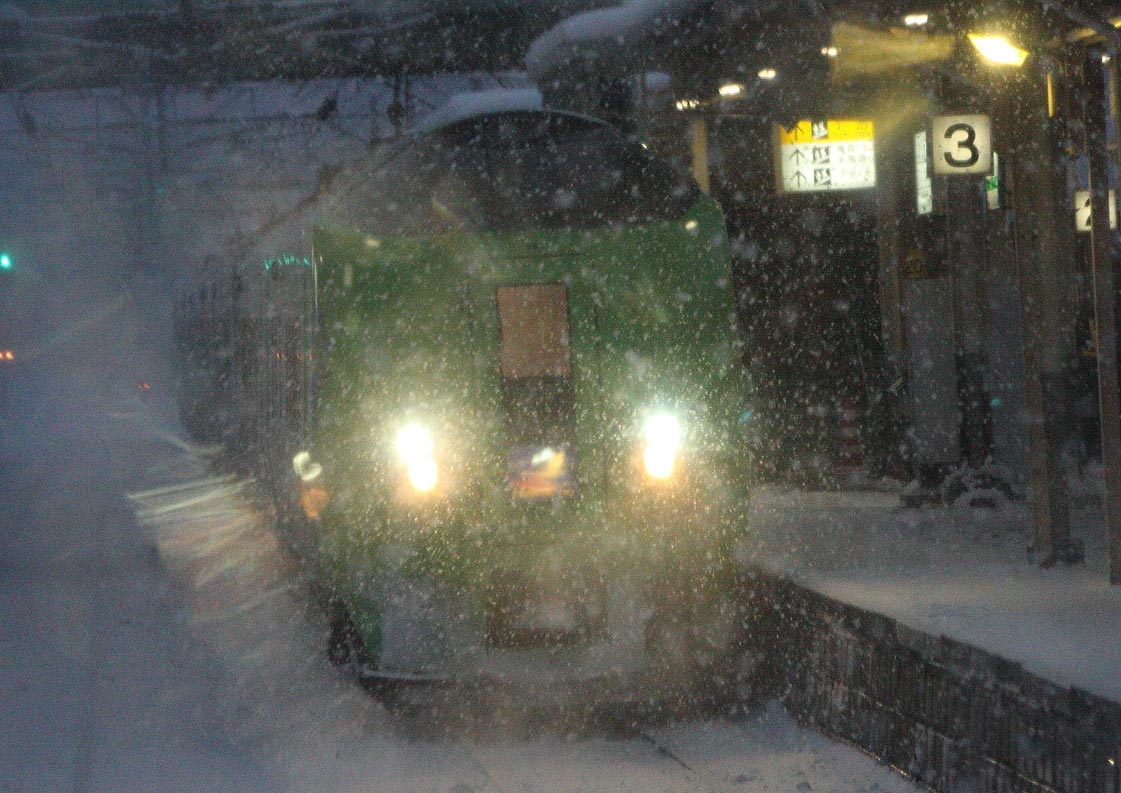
958 571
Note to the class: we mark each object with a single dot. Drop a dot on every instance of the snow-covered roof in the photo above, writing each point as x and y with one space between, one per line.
478 103
600 35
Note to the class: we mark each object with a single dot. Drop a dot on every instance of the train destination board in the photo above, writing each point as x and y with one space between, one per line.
816 156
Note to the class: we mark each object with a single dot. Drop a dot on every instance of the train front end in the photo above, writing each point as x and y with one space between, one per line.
532 462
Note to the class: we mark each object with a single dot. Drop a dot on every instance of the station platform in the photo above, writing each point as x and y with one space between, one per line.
958 571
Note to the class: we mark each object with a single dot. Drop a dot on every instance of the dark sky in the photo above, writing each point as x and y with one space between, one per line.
90 7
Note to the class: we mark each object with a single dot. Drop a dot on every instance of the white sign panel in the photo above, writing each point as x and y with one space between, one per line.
992 184
924 188
962 145
1083 214
826 155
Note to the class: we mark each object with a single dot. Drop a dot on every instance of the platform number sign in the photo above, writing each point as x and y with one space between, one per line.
1083 217
962 145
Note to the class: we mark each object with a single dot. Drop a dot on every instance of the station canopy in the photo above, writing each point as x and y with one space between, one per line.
88 43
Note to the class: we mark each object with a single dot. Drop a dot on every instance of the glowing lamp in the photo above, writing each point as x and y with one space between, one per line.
663 441
998 50
422 474
414 444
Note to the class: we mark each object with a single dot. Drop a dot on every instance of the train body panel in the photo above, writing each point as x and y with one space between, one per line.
517 451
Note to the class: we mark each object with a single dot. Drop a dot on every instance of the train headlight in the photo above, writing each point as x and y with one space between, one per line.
662 433
416 448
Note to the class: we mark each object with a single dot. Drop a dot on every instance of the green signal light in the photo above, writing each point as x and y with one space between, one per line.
5 261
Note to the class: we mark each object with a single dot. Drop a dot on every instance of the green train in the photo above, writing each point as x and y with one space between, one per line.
491 383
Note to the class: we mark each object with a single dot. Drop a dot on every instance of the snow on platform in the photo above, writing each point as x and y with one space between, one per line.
957 571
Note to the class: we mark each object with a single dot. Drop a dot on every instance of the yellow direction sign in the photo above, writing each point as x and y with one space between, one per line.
815 156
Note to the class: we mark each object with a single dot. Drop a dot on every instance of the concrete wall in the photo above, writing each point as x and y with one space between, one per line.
949 715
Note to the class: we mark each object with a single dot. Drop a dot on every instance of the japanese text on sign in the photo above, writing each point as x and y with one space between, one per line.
826 155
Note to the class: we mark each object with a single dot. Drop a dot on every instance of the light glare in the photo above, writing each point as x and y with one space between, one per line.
767 74
422 474
731 89
543 456
414 443
659 461
916 20
663 439
662 429
999 50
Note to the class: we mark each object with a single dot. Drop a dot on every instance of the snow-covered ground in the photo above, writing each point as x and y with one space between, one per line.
958 571
153 636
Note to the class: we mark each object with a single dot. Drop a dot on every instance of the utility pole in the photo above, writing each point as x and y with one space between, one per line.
1048 344
1105 307
965 210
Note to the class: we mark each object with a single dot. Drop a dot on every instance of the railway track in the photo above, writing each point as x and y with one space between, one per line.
243 603
693 757
694 767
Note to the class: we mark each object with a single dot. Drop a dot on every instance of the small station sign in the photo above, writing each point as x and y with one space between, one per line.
1083 214
818 156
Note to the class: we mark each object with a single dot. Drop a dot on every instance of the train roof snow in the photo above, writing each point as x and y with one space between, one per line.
471 104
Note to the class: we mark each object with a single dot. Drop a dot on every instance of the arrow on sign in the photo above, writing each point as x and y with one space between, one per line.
798 179
797 157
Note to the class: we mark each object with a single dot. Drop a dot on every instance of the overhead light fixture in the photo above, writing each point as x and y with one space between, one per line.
729 90
767 74
916 20
687 104
829 52
998 50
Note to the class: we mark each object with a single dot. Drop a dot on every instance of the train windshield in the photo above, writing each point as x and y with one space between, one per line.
515 171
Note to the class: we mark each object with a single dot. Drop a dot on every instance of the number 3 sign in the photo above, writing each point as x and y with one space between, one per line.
962 144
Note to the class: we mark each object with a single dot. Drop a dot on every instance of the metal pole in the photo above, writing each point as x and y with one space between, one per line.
1105 320
965 213
700 154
